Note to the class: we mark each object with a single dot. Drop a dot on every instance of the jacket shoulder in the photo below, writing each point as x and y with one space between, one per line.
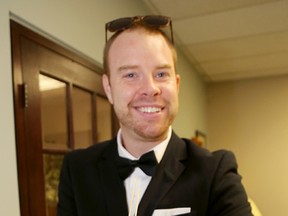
201 152
92 153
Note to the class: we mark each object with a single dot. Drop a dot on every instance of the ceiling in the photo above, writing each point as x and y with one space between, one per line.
230 39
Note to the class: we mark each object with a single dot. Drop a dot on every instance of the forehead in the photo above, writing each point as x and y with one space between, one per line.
139 40
135 33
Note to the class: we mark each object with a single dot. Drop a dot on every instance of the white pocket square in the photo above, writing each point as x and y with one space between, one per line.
171 211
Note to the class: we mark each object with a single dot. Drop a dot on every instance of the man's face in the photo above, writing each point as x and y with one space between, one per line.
143 85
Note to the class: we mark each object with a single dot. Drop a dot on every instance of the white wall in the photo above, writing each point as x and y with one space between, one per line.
79 25
250 118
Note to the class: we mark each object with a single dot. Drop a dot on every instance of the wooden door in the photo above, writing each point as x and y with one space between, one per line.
59 105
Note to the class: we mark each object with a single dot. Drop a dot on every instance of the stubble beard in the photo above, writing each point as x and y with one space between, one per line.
146 130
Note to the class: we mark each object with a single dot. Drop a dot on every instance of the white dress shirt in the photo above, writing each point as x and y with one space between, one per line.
138 181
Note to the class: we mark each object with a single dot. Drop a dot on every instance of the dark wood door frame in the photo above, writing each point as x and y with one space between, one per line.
28 190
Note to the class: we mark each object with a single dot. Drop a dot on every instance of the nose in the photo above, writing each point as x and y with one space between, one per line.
150 87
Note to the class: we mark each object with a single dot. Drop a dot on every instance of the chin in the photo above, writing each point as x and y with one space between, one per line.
153 133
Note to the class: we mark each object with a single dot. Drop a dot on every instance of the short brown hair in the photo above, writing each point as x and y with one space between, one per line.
147 29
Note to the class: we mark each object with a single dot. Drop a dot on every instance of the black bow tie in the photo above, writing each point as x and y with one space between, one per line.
147 163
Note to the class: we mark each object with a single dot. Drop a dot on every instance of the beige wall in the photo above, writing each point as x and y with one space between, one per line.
250 118
192 99
79 25
8 176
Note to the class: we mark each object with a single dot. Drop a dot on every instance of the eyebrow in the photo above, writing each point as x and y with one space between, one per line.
129 67
165 66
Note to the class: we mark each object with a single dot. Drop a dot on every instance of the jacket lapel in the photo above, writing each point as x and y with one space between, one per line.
170 168
113 186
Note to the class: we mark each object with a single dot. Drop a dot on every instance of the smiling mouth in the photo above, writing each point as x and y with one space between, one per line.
149 109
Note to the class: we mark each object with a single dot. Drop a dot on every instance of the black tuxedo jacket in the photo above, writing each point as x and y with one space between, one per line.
187 176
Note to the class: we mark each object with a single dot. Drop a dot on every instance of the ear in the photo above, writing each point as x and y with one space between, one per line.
178 82
107 87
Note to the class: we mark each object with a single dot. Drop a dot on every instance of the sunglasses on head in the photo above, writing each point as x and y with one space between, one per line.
150 21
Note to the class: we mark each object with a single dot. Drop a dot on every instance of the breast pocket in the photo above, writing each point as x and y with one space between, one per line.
174 212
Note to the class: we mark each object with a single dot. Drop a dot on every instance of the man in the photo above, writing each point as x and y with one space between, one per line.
173 176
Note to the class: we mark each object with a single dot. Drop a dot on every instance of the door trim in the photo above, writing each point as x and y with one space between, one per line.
17 32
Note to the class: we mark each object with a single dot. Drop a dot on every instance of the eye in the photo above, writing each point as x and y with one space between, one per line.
162 74
130 75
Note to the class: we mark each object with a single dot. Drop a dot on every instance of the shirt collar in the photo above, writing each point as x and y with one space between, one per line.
158 149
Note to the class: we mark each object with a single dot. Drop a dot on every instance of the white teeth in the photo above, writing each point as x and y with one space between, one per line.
149 109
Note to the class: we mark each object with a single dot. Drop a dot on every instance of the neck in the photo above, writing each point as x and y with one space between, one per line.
137 146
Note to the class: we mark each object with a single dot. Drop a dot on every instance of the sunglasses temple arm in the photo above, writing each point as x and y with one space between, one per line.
171 30
106 35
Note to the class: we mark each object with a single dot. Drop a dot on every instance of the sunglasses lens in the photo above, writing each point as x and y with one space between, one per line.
156 21
127 22
120 24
